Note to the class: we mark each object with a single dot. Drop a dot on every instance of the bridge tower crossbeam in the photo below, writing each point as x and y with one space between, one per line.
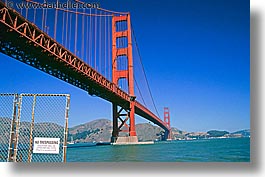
123 74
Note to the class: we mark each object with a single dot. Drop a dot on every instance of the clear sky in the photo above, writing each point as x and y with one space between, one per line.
196 54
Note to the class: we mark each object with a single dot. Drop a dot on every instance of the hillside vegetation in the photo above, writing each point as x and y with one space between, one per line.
101 130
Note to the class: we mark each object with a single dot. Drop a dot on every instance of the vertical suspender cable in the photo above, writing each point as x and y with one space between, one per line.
138 51
105 46
45 20
63 26
83 37
95 42
122 45
70 30
76 23
119 61
66 30
34 18
27 11
99 45
141 96
90 39
109 45
126 82
87 41
55 22
42 24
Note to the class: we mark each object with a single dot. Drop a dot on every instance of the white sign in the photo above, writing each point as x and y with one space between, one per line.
46 145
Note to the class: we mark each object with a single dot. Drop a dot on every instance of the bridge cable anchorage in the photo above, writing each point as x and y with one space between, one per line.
138 51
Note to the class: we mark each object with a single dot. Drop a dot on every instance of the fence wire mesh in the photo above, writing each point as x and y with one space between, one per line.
38 116
7 117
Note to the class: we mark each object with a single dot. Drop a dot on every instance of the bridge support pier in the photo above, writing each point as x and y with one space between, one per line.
122 115
115 130
120 118
132 131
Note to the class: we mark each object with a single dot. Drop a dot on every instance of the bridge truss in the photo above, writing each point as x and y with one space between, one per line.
26 42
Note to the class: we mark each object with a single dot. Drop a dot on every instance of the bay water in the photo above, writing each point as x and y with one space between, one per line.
205 150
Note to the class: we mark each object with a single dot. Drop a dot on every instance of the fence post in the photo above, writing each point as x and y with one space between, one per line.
17 128
66 127
31 129
12 129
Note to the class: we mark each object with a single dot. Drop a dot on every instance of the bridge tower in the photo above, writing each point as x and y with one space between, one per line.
120 113
168 134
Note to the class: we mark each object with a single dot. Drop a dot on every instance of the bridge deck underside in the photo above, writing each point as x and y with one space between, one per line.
18 46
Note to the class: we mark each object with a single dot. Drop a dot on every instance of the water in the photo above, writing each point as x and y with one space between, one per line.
211 150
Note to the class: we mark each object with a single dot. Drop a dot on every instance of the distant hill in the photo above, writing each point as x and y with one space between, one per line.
43 129
216 133
101 130
5 130
97 130
148 132
244 133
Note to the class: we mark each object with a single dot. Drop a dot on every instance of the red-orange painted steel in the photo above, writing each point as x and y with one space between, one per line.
19 38
128 74
167 121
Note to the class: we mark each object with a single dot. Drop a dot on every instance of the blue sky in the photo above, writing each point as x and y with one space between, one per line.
197 59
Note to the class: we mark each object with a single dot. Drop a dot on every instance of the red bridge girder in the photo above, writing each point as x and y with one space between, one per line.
24 41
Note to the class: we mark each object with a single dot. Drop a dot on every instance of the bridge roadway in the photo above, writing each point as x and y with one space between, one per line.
24 41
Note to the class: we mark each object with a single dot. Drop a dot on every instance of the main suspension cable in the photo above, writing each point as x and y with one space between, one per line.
138 51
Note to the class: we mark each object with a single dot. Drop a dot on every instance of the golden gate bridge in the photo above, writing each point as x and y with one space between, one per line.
91 48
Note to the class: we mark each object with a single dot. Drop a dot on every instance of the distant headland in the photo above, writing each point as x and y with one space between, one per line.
101 129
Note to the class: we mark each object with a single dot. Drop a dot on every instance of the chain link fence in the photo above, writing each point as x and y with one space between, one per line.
41 127
7 121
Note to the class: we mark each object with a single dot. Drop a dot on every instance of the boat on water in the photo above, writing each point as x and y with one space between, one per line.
101 143
72 141
78 145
